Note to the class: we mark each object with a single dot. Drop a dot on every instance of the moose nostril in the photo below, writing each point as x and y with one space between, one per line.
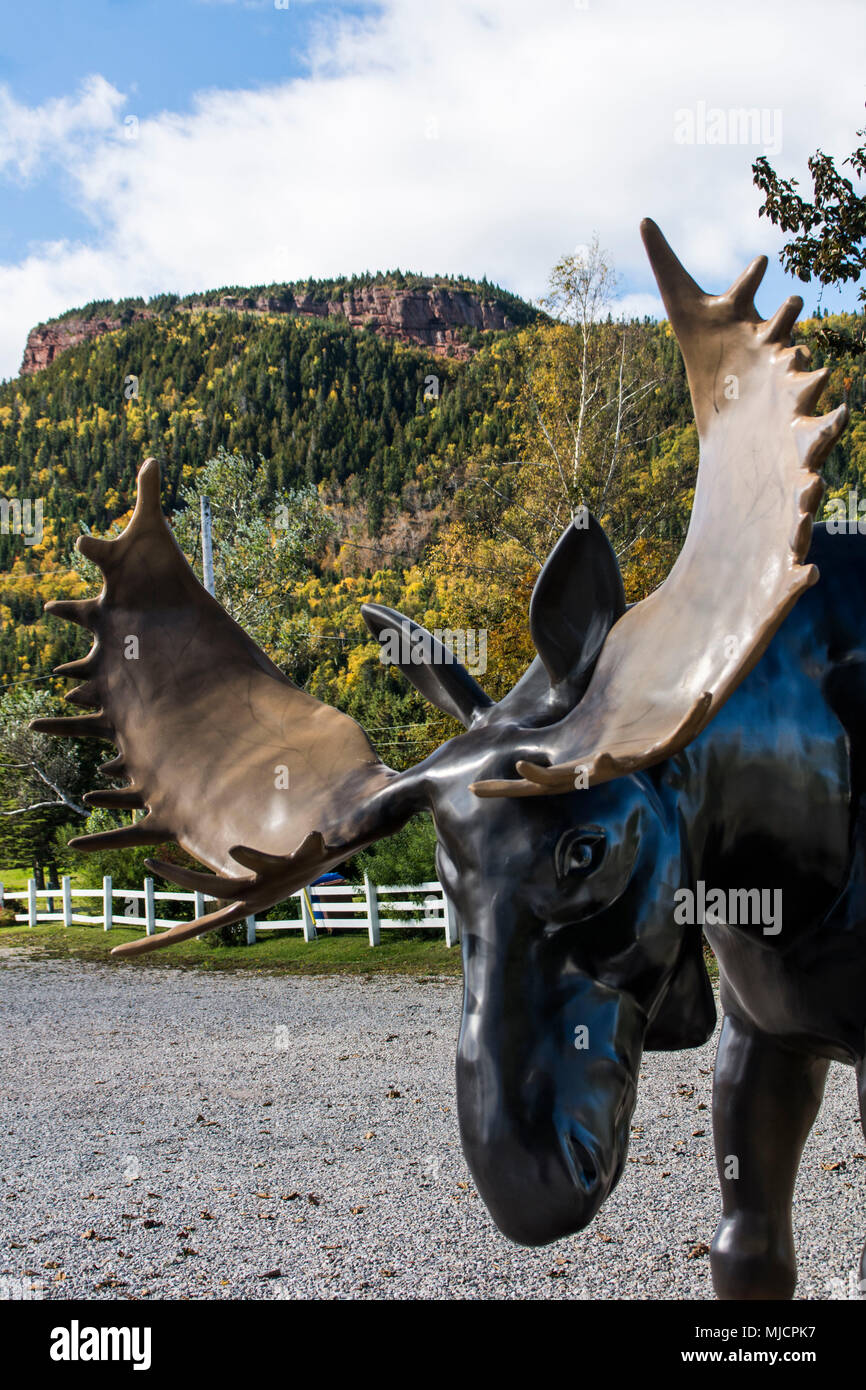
584 1170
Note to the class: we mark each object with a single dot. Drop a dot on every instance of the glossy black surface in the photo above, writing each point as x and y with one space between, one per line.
566 905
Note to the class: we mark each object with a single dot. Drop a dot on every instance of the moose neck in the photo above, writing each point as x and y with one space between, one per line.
764 799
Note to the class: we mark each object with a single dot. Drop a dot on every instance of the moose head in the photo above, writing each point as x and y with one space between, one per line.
558 810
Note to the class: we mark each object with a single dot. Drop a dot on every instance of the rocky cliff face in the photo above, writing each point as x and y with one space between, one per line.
430 318
49 339
434 318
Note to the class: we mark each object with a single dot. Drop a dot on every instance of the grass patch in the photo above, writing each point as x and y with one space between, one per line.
15 880
401 953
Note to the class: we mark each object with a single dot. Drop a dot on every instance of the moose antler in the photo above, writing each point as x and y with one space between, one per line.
220 747
670 662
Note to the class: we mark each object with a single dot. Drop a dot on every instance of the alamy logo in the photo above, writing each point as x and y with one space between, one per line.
842 517
738 907
738 125
22 518
400 647
76 1343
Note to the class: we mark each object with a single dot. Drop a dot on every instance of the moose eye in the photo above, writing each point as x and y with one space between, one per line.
579 852
580 856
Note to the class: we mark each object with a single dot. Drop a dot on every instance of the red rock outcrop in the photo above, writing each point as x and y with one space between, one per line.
431 318
435 318
57 335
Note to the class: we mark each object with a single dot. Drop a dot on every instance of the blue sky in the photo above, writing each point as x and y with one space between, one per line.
151 146
160 52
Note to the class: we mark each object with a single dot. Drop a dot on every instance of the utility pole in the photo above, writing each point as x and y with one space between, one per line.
206 544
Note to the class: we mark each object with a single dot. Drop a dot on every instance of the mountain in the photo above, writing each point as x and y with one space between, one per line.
409 408
398 436
374 389
445 315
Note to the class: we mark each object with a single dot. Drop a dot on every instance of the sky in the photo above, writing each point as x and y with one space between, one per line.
180 145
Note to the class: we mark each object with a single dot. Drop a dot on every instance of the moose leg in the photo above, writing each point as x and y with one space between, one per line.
765 1099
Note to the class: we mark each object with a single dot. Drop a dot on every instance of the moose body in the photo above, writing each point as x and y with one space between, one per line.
709 735
767 798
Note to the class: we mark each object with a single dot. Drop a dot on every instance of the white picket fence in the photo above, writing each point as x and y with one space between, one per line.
368 907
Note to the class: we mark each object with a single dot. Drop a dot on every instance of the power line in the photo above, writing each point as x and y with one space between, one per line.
391 728
26 680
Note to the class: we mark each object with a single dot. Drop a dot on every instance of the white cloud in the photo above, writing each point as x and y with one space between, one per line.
482 139
32 135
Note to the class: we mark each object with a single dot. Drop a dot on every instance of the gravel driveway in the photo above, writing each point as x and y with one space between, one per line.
174 1134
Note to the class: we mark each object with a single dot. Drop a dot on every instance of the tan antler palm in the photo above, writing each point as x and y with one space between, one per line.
221 749
671 661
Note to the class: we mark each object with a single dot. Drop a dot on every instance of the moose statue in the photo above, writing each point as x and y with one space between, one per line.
706 742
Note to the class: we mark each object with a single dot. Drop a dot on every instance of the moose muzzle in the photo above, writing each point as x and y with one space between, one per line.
546 1086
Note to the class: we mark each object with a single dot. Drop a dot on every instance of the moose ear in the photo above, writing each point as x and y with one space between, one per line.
426 662
576 600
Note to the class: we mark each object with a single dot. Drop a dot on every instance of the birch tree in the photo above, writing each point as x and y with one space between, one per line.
584 423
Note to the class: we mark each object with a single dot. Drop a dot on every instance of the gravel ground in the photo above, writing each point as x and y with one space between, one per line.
177 1135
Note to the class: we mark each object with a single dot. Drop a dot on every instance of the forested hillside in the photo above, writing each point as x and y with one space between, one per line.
429 472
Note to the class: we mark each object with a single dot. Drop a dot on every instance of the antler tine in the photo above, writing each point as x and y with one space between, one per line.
807 387
82 611
222 917
109 554
84 666
741 293
680 293
115 767
671 661
117 799
683 297
84 726
313 849
147 502
266 868
815 435
219 886
778 328
147 512
97 549
142 832
274 877
86 694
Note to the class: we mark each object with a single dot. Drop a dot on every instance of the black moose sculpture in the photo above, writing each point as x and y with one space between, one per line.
700 747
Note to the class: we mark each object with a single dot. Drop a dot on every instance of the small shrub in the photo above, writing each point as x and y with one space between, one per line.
409 856
234 935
